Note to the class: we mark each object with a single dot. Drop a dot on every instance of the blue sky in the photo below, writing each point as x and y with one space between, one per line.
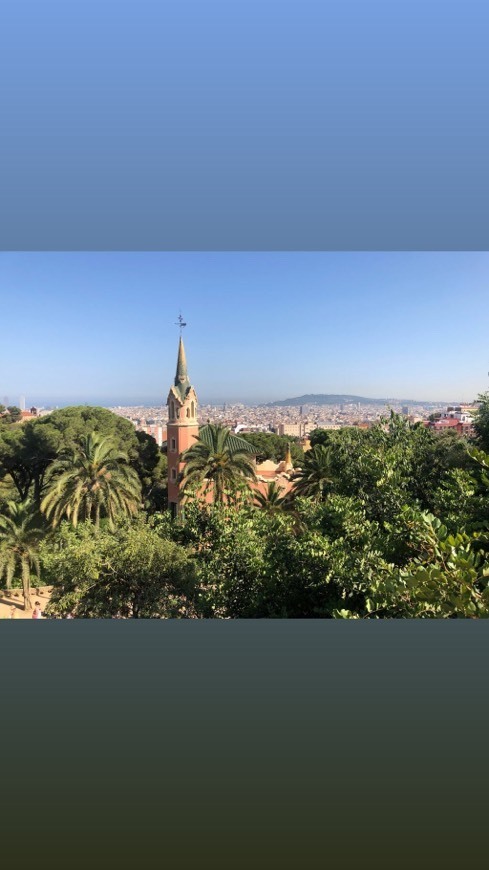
100 327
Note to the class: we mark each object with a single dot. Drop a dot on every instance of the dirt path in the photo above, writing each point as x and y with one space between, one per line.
15 599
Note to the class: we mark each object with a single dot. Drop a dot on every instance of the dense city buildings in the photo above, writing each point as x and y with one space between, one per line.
292 420
288 420
296 430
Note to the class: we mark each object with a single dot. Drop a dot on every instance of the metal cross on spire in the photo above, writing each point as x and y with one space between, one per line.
181 323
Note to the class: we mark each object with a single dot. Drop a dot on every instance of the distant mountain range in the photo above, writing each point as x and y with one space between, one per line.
332 399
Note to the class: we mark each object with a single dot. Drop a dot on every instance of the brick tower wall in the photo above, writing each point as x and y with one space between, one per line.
183 436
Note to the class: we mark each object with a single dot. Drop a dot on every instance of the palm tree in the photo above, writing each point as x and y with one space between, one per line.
93 478
315 478
218 462
20 534
271 501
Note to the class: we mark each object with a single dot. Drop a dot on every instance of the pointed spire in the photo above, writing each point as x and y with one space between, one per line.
181 376
181 384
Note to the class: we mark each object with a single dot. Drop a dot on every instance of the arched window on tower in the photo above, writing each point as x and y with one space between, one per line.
193 409
188 412
172 409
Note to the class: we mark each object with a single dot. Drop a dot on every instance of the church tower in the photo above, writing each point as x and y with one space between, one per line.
183 428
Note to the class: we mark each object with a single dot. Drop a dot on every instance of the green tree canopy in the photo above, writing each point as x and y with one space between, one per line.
315 477
274 447
387 522
12 414
321 437
273 499
27 450
481 422
392 464
91 480
130 572
151 465
216 463
21 530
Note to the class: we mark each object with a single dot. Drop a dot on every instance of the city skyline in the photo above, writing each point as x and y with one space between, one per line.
101 327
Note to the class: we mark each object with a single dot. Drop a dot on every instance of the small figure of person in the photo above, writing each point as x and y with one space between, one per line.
69 616
13 612
37 612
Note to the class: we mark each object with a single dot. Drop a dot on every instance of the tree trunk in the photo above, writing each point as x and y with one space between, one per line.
37 490
22 490
27 598
26 586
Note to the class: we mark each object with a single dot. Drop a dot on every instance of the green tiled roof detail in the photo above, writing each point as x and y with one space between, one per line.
235 443
181 392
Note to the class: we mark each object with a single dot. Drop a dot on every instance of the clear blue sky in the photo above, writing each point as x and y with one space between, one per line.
99 327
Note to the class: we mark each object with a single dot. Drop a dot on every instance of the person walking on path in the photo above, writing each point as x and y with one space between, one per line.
37 612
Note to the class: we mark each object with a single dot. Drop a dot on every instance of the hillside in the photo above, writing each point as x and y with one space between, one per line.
341 399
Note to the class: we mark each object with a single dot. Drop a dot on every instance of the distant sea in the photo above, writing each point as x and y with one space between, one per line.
160 401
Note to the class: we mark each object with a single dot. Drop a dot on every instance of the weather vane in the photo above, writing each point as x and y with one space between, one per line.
181 323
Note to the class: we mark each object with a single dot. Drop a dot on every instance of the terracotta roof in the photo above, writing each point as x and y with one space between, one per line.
262 485
448 423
